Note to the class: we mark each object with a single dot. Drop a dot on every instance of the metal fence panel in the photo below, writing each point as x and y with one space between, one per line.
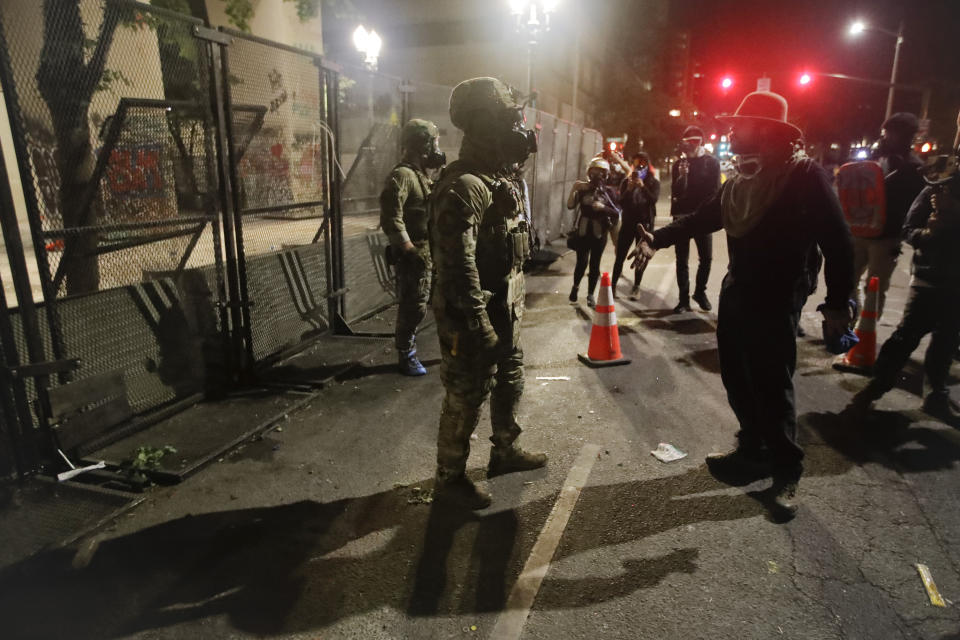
281 138
371 115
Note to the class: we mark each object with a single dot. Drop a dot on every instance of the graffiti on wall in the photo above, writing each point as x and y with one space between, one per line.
134 171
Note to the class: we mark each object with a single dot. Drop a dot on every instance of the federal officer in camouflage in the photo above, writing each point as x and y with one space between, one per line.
479 238
403 217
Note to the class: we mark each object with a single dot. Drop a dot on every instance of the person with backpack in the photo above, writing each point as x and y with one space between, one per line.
403 217
876 246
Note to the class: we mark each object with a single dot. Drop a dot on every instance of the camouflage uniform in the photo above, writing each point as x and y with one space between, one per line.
403 216
480 240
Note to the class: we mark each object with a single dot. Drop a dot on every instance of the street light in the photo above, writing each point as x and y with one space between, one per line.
858 27
532 20
368 43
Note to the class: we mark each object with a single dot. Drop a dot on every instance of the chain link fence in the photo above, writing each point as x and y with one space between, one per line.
203 202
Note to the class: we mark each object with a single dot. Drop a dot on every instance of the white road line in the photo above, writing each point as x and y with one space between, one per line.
510 623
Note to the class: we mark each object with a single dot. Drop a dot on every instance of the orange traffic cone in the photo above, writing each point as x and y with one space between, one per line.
861 358
604 349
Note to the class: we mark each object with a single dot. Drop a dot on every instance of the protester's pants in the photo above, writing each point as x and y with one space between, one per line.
933 310
628 235
875 257
591 249
705 254
758 355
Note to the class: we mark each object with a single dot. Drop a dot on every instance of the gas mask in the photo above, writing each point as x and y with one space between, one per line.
515 143
434 158
597 177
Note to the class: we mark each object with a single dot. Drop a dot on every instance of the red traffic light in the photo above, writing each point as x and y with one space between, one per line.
726 83
805 79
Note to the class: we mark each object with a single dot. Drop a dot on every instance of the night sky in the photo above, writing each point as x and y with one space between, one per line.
745 38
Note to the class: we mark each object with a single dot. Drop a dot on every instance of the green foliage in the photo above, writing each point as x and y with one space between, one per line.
240 12
109 80
145 458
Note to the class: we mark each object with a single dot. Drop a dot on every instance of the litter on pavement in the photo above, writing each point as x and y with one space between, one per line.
553 378
667 453
935 598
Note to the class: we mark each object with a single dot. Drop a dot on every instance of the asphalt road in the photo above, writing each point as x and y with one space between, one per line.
323 530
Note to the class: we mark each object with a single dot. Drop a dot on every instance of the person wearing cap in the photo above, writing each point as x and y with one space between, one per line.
775 207
695 179
902 183
639 192
597 212
479 237
403 217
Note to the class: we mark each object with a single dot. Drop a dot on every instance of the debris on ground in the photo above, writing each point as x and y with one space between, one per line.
932 592
420 496
667 453
554 378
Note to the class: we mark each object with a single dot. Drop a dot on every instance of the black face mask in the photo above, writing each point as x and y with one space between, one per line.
517 145
435 159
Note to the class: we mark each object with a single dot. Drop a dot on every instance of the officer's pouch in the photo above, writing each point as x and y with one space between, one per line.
520 237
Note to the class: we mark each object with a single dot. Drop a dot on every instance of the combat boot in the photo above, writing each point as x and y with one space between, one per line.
458 490
738 467
573 293
410 365
513 458
937 404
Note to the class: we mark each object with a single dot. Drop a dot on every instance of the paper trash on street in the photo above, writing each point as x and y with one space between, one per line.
667 453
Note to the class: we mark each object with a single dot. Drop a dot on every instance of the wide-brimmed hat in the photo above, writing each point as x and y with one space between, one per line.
762 107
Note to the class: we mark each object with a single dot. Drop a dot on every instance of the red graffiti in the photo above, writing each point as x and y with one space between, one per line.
134 172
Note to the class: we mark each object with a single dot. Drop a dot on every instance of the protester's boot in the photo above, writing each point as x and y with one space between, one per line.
409 364
513 458
454 488
682 307
738 467
861 404
700 297
938 405
591 301
635 292
573 293
783 506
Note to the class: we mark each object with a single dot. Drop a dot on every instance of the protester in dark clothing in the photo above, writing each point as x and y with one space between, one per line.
902 182
638 198
597 211
933 306
773 211
695 180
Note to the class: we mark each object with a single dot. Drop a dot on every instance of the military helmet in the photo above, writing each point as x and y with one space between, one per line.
417 133
479 94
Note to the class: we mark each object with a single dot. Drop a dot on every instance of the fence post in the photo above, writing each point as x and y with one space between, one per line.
337 274
235 272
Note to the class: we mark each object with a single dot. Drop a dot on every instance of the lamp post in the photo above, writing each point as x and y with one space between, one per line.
858 27
368 43
532 19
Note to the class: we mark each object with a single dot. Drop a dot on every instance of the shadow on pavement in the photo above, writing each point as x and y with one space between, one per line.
304 566
889 438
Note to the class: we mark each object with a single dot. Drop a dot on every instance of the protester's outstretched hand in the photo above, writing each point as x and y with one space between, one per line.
644 250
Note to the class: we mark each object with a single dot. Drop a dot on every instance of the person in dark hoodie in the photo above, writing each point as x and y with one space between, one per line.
639 192
773 210
902 182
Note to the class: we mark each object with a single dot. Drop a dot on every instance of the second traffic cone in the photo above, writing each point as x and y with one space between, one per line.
862 357
604 349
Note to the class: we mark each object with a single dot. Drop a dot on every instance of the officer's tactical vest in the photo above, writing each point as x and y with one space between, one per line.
503 238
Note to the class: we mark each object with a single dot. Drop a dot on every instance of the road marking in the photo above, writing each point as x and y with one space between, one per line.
510 623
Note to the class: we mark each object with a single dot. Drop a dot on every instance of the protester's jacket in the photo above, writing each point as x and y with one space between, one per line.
902 182
769 263
403 205
596 220
936 256
640 203
701 183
